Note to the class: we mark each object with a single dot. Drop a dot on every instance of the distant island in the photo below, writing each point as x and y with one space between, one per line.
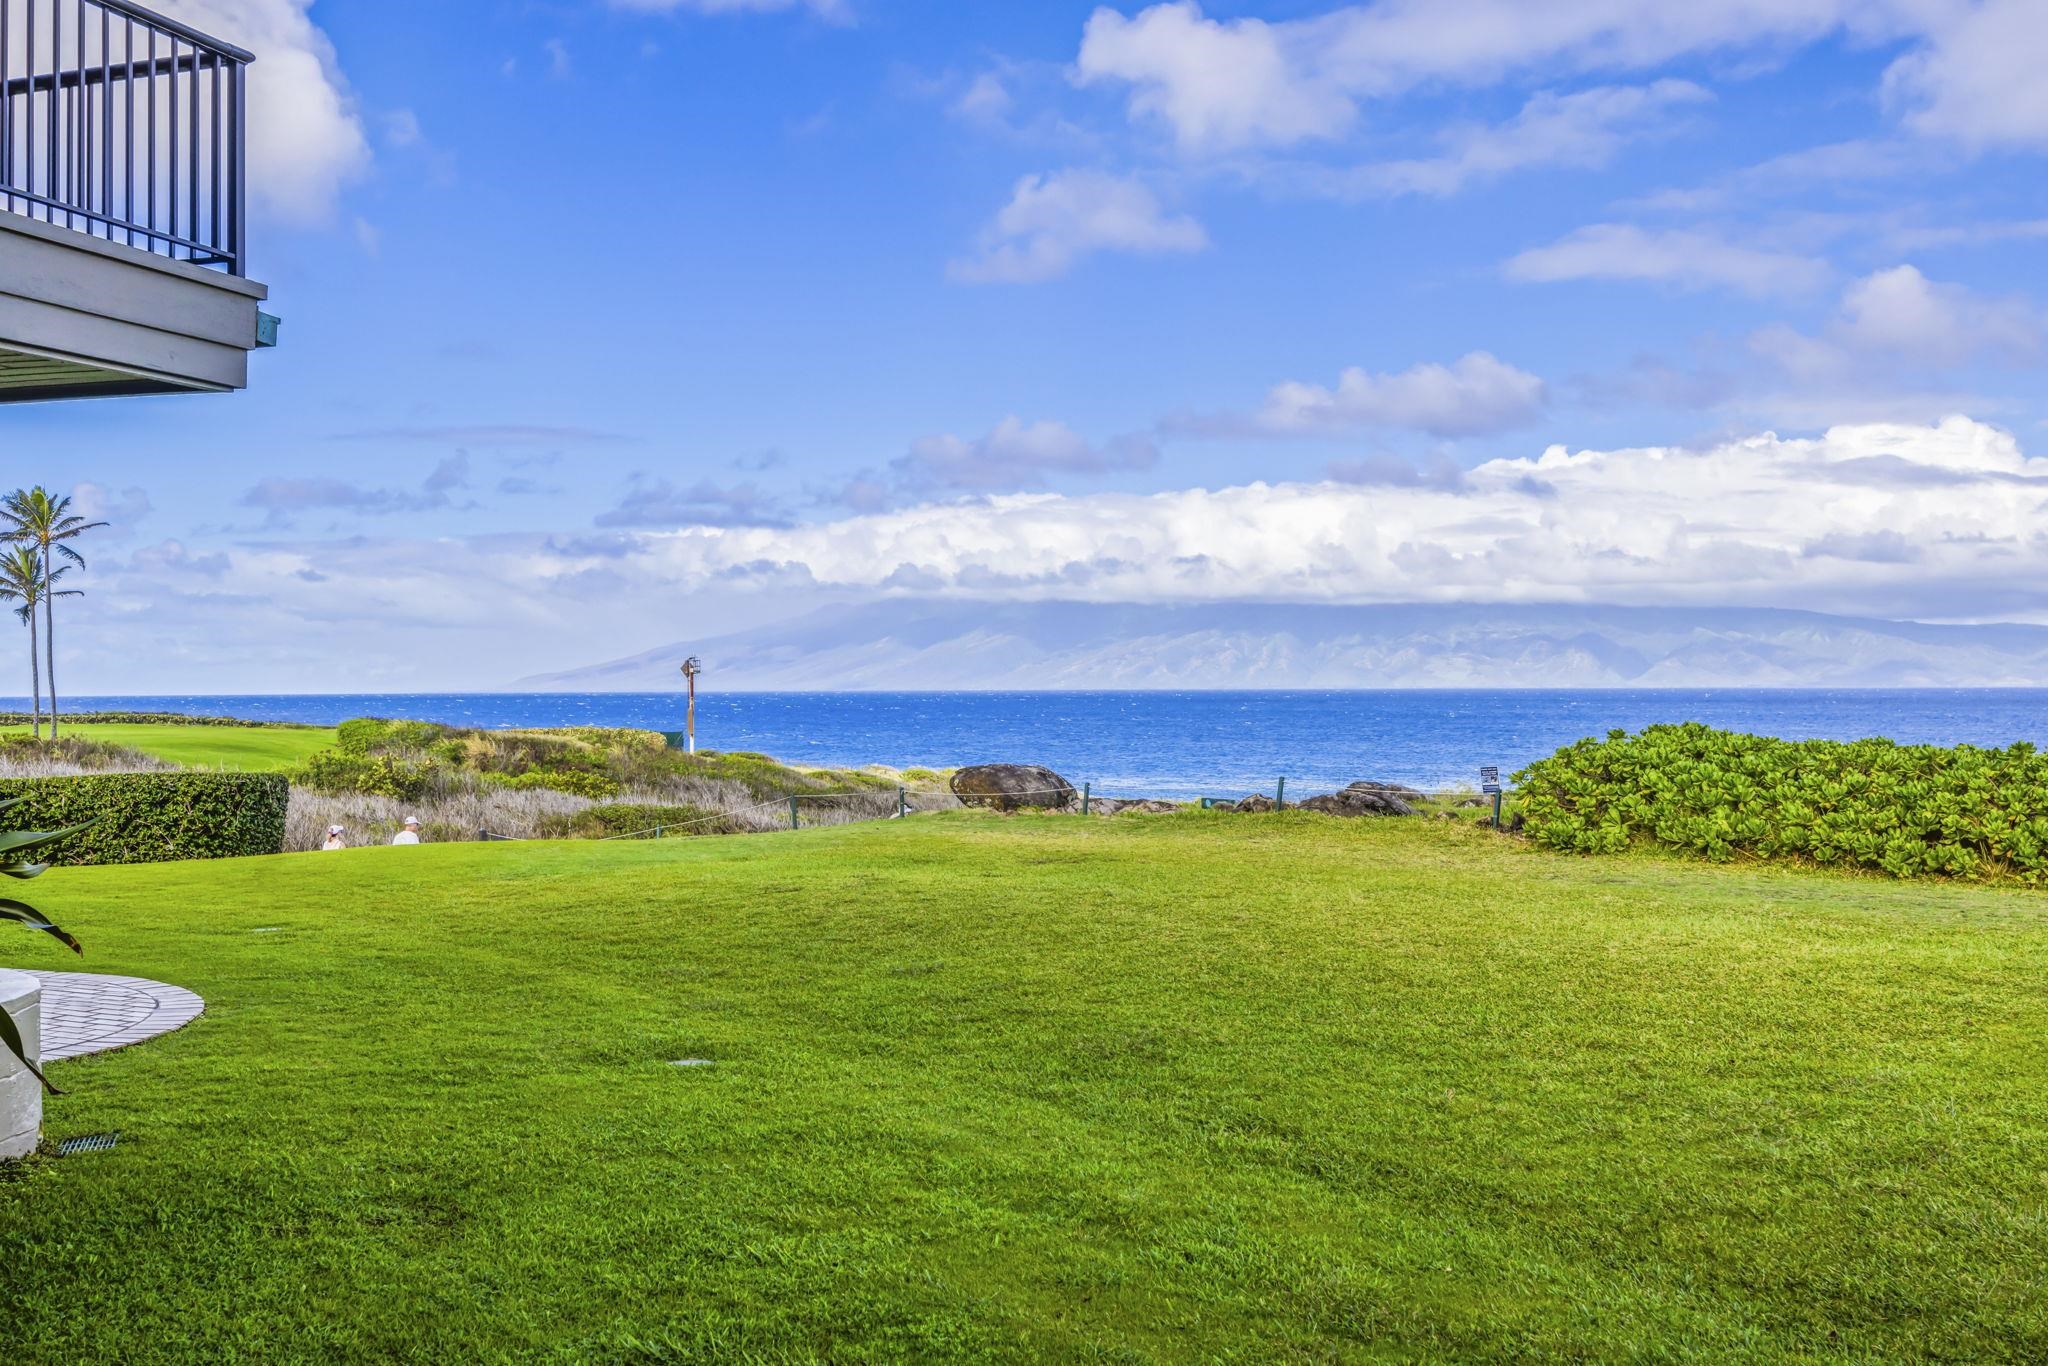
910 644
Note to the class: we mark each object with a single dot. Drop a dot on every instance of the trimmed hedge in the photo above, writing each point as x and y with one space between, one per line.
149 718
154 817
1908 810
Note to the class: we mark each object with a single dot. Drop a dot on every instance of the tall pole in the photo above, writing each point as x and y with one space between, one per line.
691 668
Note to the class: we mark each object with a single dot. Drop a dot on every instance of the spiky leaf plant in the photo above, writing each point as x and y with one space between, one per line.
16 846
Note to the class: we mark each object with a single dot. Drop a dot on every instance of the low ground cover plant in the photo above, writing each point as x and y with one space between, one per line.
1907 810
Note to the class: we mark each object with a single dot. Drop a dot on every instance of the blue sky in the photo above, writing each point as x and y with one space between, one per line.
608 324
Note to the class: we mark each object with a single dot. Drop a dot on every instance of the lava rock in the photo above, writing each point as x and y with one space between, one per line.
1007 787
1258 801
1366 799
1147 806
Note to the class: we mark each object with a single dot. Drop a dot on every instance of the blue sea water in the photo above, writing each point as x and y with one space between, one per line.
1184 744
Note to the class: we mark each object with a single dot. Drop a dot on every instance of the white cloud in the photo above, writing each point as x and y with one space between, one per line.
1979 81
1972 73
1216 86
1903 312
1476 394
1017 454
1052 221
306 141
1225 84
1761 520
1899 317
1688 258
985 100
1584 129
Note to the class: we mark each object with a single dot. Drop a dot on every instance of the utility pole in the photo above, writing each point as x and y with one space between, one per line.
691 668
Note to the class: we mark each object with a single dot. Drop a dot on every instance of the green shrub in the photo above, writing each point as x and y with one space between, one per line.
616 737
72 749
156 817
380 775
366 735
1908 810
628 818
577 782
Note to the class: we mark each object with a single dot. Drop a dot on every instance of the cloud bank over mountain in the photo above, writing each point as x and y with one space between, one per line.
1932 523
1916 521
913 645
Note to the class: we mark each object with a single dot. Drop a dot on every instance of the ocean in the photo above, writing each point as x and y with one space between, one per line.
1183 744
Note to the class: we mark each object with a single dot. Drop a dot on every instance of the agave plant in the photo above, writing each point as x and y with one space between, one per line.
15 848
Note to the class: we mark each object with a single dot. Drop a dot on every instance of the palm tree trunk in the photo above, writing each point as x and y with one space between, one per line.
50 640
35 670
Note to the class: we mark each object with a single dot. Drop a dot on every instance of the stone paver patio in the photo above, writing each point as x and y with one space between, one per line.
86 1012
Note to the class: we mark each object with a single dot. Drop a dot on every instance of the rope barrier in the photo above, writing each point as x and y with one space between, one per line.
1460 794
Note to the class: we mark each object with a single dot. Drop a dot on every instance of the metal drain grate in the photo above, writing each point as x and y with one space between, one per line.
90 1143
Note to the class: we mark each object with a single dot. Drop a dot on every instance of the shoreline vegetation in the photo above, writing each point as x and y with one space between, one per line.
1872 806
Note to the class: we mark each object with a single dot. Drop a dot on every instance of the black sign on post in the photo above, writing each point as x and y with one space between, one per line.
1489 783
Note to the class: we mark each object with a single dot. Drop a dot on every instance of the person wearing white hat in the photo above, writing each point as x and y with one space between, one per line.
334 838
411 833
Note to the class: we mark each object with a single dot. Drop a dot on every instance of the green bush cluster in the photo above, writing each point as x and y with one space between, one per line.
401 758
577 782
1908 810
628 818
379 775
155 817
766 778
370 734
411 760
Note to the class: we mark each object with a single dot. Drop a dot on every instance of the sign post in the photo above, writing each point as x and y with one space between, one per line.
691 668
1489 783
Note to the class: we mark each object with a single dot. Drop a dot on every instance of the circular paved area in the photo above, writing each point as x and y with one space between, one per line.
87 1012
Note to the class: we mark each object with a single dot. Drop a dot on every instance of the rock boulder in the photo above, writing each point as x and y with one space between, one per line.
1366 799
1006 787
1258 801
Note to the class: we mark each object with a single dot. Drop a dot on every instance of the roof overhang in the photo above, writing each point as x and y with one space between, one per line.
82 317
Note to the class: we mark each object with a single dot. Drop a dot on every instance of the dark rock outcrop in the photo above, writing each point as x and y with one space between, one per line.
1258 801
1366 799
1006 787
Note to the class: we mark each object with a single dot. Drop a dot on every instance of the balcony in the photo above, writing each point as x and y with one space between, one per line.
123 205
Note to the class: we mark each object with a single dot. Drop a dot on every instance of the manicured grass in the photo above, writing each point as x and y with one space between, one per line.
1146 1088
254 749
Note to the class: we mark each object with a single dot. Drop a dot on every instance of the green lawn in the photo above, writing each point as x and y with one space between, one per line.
256 749
1226 1087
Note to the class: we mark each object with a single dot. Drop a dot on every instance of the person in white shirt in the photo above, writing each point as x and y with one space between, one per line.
334 838
411 833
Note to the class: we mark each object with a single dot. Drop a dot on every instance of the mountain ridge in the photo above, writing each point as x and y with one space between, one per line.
920 644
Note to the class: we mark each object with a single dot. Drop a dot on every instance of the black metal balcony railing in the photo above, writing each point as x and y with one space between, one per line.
124 124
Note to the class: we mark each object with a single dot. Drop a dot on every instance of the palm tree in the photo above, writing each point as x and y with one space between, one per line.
33 516
21 580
